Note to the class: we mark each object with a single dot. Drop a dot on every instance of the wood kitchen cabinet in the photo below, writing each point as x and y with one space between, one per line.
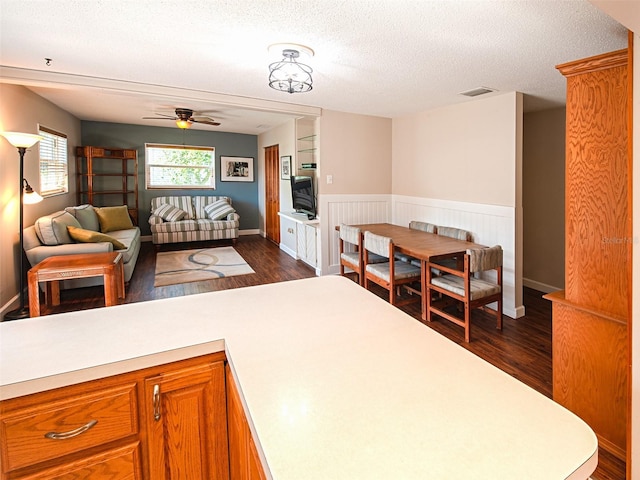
107 428
244 461
185 420
592 316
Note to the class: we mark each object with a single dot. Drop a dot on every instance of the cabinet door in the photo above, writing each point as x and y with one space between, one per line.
311 239
186 424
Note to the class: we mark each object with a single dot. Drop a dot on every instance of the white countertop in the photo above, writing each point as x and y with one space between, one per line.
338 383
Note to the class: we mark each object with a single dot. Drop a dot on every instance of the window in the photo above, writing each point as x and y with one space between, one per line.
54 177
179 166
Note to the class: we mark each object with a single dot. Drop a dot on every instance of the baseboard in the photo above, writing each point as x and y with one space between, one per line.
289 251
12 304
541 287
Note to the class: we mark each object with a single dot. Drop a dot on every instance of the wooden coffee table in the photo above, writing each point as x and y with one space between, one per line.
64 267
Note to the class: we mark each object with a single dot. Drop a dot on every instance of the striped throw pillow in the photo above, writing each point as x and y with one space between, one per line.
218 210
170 213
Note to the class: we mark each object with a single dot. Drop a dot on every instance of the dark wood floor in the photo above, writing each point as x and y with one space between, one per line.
522 348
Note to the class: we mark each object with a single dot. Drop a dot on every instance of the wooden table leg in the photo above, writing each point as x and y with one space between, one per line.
110 287
53 292
121 279
34 294
425 289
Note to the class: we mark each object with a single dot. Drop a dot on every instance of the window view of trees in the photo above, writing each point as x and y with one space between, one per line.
171 166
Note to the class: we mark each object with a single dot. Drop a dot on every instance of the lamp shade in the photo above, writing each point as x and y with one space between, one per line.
29 198
21 140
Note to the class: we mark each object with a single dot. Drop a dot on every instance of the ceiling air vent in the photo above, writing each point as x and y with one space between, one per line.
477 91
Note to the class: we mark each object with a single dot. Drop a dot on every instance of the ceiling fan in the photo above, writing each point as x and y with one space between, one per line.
184 118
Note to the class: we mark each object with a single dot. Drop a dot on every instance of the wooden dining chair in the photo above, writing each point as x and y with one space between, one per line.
351 256
458 234
423 227
456 287
390 275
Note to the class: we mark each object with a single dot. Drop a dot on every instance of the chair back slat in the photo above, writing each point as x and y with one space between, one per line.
423 226
456 233
481 259
350 234
377 244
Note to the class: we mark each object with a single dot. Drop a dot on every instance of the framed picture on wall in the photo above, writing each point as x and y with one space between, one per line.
236 169
285 167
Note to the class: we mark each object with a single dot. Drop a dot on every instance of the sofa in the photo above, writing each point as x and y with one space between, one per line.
191 218
84 229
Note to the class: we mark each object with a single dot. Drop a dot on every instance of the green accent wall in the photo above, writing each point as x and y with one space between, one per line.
244 195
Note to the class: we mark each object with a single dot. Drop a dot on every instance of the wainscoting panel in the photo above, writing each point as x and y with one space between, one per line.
489 224
349 209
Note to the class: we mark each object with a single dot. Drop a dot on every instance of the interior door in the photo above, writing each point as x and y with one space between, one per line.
272 193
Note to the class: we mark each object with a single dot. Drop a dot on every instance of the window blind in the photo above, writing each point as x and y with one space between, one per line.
54 175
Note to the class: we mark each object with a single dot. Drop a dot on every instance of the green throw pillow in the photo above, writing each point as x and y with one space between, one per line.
89 236
218 210
113 218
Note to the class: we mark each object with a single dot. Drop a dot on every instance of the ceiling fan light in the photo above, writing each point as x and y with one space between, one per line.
183 124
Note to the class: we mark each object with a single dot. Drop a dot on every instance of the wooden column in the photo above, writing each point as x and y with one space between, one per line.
591 317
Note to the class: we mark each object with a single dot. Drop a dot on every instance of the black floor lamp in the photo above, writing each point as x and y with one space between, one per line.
22 141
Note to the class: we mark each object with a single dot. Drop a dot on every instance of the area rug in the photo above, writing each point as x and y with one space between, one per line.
197 265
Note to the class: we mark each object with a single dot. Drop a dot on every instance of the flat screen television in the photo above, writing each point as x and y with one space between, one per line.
303 195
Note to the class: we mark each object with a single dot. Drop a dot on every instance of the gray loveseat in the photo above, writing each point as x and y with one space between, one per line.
194 218
95 230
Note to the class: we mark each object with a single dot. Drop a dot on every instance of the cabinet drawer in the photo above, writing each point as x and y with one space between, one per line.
117 464
26 434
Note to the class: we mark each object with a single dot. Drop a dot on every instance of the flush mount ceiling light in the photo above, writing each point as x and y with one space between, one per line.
289 75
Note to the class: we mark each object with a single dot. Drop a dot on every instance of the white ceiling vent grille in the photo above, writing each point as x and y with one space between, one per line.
477 91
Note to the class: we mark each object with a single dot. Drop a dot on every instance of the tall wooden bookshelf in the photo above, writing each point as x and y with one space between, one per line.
107 177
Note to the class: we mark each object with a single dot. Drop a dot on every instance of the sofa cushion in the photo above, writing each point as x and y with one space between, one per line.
90 236
86 215
180 226
114 218
52 229
207 224
131 240
169 212
182 202
218 210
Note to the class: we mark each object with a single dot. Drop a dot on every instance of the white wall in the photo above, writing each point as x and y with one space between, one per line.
461 166
543 199
284 137
356 152
22 111
465 152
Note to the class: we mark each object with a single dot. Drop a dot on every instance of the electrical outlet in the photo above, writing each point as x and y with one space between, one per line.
329 179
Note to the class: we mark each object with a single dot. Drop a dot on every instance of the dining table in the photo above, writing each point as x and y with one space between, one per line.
421 245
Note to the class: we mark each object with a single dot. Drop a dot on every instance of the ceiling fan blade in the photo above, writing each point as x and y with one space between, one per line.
158 118
206 122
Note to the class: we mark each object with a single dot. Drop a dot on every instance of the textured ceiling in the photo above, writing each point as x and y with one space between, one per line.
384 57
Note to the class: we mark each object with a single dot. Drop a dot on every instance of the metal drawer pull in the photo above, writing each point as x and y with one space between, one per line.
71 433
156 402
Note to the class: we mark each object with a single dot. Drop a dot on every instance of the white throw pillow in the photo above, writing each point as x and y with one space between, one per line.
218 210
52 229
170 213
